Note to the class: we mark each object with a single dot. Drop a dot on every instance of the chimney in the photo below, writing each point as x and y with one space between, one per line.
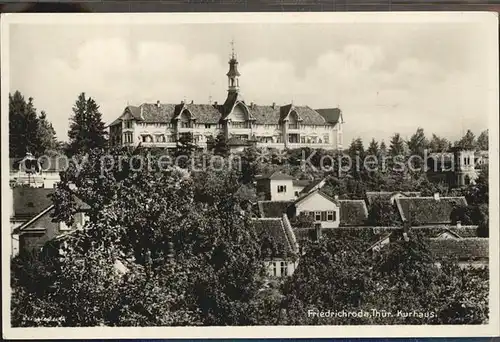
182 102
170 251
317 229
158 103
405 236
192 101
436 196
274 104
215 103
459 224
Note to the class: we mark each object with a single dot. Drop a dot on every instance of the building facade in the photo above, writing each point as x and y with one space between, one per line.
43 172
243 124
457 168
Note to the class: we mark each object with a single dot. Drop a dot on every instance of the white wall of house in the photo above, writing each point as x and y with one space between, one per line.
281 190
325 211
297 189
280 267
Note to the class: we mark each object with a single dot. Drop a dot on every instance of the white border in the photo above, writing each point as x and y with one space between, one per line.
488 19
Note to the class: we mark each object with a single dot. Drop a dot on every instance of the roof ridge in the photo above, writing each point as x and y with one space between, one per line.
282 224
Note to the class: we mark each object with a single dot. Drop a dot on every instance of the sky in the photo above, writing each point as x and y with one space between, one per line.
386 77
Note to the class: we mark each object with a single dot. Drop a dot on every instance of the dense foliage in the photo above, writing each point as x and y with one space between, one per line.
87 129
28 131
177 246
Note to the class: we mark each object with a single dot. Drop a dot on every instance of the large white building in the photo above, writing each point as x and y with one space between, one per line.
243 124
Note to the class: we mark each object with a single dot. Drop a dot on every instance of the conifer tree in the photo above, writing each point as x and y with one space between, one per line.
383 148
482 141
438 144
87 129
28 132
373 148
468 141
418 142
397 146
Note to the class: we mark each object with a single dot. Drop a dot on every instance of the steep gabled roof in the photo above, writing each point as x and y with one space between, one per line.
466 249
275 229
450 232
80 206
273 208
29 202
386 195
313 184
208 113
276 175
317 191
428 210
204 113
353 212
301 182
331 115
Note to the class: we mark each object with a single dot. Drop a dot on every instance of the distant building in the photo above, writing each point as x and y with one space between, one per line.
457 168
42 172
243 124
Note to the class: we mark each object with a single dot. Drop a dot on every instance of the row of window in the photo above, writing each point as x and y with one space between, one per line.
281 188
190 124
322 216
158 138
282 266
294 139
184 124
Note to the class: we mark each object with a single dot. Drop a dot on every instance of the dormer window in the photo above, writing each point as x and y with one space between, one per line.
185 119
128 124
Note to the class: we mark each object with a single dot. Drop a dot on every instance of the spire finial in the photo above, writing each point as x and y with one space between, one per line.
232 48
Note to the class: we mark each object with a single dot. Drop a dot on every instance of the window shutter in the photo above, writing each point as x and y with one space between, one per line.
323 216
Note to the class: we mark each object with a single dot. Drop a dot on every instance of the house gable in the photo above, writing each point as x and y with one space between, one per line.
315 201
448 234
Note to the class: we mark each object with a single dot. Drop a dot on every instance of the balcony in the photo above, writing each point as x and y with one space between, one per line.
271 145
240 125
311 145
293 126
159 144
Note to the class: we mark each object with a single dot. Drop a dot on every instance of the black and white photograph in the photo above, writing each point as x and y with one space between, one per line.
313 174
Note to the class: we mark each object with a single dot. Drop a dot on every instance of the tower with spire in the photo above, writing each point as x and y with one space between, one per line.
233 73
